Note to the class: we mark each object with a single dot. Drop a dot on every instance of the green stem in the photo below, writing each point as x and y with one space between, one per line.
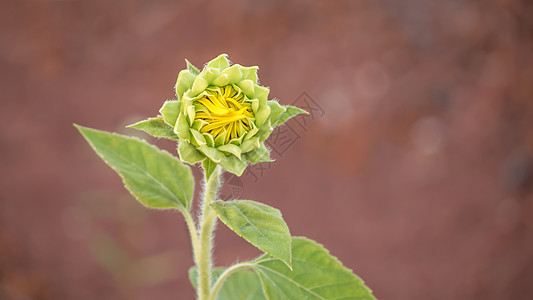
207 222
220 281
194 235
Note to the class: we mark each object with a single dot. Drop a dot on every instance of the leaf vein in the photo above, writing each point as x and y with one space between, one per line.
292 281
136 166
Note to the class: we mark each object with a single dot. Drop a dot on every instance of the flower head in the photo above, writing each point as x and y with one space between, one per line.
222 115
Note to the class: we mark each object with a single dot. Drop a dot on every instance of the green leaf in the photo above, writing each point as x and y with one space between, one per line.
156 178
259 224
156 127
291 111
316 275
241 285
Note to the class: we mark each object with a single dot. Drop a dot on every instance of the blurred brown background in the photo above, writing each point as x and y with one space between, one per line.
415 169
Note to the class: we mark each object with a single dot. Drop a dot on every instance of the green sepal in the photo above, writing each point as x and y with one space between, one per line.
214 154
192 68
184 82
232 149
156 127
182 127
264 131
275 110
255 104
259 224
261 93
209 139
252 132
221 80
221 62
228 76
209 167
250 73
262 114
234 165
199 85
250 144
170 111
210 74
220 139
190 112
234 74
291 111
188 153
259 155
198 138
248 87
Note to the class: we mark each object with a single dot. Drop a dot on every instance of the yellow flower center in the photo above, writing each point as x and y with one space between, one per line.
224 111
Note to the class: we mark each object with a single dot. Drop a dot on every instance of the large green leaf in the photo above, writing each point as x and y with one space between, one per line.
241 285
259 224
156 127
156 178
316 275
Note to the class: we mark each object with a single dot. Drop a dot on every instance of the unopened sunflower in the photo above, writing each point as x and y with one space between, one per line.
221 116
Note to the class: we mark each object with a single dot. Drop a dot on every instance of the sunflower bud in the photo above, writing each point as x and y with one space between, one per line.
221 114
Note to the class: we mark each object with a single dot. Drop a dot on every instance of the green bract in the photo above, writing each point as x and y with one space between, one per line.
221 114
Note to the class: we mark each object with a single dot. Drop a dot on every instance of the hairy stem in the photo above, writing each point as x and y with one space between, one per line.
207 222
220 281
194 235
